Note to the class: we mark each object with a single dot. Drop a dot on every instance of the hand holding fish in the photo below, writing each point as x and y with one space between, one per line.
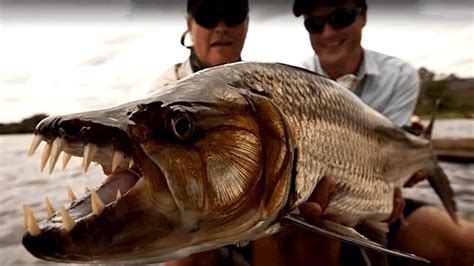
419 176
398 206
298 247
319 200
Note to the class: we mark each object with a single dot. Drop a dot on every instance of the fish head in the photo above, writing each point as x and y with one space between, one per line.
196 167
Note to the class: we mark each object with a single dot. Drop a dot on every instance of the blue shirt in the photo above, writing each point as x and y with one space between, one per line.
385 83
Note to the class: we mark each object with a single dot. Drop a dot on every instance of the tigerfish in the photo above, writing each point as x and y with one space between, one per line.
222 157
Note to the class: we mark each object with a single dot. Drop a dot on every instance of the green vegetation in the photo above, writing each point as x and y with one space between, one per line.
454 103
25 126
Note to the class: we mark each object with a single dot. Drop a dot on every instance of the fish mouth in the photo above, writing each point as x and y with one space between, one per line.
207 172
96 218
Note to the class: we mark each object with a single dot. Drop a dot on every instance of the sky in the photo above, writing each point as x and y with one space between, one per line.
62 58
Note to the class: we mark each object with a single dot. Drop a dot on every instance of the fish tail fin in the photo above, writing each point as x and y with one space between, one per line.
440 183
436 176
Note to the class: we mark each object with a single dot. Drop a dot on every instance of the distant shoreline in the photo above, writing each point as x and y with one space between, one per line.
27 125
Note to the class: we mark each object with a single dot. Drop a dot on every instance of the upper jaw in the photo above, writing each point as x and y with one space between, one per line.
98 217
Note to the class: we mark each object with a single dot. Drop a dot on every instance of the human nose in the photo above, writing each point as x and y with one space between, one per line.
328 30
221 26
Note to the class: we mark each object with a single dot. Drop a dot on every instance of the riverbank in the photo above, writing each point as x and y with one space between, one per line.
27 125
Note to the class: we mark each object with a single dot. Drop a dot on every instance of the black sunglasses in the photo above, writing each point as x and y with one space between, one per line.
210 19
338 19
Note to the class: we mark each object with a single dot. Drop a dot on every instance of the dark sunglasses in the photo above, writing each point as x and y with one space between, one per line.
209 19
338 19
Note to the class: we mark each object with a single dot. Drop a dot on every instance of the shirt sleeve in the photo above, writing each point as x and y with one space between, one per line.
405 95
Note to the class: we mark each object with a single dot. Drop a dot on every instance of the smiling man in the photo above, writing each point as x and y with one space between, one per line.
386 83
390 86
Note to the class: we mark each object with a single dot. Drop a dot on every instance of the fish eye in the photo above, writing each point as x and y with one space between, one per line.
181 126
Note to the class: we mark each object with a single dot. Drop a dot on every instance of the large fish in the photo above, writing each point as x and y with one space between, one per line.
223 157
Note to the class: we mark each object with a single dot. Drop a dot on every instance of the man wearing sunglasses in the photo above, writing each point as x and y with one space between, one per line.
391 87
217 31
386 83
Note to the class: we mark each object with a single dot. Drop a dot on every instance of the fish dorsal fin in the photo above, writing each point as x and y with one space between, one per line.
348 235
429 129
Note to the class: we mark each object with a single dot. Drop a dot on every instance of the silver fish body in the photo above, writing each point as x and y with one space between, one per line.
219 158
338 135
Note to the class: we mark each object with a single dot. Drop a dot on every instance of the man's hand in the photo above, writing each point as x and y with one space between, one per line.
398 206
418 176
298 246
319 200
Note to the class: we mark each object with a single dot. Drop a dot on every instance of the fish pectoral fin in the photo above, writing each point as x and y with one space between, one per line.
348 235
374 230
377 232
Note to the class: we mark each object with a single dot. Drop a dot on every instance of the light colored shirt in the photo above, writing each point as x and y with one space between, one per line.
176 72
385 83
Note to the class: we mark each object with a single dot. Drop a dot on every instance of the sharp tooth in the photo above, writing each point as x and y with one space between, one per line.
131 163
70 194
45 156
49 208
97 204
34 144
68 222
119 195
55 152
66 158
89 152
30 221
117 159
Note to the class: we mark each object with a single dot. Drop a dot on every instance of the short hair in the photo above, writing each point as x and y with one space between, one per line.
302 6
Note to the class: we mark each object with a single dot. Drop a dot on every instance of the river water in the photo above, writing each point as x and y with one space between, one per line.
23 184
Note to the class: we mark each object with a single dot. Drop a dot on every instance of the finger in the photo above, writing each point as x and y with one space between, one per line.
397 194
322 192
399 210
311 212
415 178
398 206
396 212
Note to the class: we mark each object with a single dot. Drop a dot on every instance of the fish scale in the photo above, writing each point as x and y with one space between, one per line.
354 160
